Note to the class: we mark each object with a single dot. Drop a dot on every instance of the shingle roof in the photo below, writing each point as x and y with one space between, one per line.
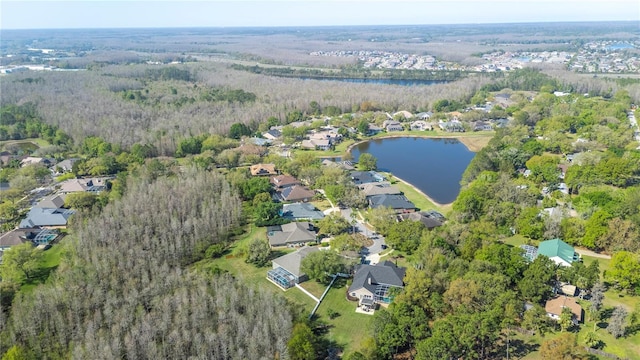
296 192
369 276
291 262
554 306
263 169
51 202
301 211
391 201
295 232
371 189
363 177
46 217
284 180
557 247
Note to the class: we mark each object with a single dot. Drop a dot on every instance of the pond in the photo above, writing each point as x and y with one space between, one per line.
434 166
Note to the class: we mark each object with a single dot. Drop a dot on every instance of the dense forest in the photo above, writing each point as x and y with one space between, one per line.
122 290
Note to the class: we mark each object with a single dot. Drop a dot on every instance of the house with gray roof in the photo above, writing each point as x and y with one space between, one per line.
363 177
371 189
286 271
397 202
46 218
372 284
301 211
272 134
425 218
52 202
291 234
67 165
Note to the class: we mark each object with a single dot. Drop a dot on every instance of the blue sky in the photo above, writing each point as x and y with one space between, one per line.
50 14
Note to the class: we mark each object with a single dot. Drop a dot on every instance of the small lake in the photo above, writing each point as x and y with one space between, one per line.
434 166
402 82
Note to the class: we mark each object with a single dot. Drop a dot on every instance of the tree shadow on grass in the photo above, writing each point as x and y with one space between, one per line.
41 275
517 348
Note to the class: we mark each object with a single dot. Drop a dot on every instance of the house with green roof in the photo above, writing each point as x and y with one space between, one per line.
558 251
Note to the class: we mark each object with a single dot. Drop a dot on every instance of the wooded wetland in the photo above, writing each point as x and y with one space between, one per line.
166 152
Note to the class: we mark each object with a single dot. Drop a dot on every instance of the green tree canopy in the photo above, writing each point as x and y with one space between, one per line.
320 265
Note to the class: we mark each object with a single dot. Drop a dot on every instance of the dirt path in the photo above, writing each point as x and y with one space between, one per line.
590 253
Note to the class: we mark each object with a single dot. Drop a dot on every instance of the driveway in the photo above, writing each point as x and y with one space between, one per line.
378 240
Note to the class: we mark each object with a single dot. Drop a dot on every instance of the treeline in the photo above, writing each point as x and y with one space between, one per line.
23 121
354 72
123 292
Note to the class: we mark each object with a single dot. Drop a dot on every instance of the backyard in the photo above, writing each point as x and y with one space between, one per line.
347 330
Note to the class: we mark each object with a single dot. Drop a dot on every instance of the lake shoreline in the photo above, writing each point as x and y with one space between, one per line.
420 192
465 140
470 145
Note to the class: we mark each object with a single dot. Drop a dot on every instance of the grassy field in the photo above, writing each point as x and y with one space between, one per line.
33 141
420 200
349 329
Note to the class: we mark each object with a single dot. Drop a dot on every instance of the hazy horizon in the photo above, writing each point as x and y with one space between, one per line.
27 15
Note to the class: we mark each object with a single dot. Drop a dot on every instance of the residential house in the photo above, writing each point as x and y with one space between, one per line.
259 141
426 218
301 211
373 284
374 129
296 193
283 181
481 126
424 115
46 218
500 123
286 271
558 251
34 161
94 185
399 203
404 113
554 308
51 202
378 188
263 170
363 177
272 134
291 234
345 165
66 166
20 236
392 125
421 125
451 126
313 144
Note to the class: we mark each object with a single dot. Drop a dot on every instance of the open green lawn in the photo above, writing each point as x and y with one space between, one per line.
35 141
50 261
349 329
421 201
